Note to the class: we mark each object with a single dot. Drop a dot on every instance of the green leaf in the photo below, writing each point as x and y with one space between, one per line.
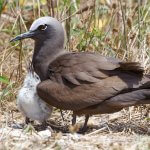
147 119
4 79
2 5
6 91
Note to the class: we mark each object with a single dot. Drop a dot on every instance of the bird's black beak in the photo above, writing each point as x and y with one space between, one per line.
25 35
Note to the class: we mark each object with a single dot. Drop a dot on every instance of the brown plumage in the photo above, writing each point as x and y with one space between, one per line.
77 82
89 83
86 83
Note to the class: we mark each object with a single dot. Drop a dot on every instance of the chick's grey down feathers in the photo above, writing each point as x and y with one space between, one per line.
84 82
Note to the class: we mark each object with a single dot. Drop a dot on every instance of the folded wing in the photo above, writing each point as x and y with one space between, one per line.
80 80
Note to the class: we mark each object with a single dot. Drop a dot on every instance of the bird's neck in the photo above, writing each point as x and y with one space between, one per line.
44 54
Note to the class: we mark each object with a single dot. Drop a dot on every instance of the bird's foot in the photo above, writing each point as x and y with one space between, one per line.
27 121
76 128
43 126
83 130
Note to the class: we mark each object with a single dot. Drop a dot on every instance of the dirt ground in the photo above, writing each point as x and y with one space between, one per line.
124 130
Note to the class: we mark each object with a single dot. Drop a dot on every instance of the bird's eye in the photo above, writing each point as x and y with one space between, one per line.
42 27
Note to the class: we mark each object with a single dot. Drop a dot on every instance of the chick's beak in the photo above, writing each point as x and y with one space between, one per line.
25 35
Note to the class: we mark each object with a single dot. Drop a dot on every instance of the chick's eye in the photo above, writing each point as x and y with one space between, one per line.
42 27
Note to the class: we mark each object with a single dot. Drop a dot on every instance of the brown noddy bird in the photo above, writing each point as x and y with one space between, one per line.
86 83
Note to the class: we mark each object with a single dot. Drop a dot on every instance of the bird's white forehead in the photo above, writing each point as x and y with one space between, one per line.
42 21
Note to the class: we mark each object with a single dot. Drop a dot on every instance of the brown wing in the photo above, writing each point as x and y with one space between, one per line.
116 103
80 80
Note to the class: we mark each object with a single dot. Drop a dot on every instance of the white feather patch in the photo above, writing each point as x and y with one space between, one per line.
29 103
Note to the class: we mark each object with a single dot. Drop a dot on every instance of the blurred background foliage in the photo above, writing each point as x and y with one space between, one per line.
117 28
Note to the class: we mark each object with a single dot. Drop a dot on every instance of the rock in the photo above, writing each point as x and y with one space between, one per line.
45 134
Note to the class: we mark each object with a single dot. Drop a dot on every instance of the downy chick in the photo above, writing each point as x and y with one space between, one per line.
29 103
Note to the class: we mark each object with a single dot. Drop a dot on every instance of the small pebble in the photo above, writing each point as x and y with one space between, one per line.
45 134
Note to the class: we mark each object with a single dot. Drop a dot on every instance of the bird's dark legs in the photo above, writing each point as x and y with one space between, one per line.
62 115
84 128
44 124
27 120
74 117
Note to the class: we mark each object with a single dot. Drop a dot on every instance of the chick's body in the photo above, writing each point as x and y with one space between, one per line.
29 103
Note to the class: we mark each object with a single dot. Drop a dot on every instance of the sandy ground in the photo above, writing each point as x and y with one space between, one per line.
124 130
